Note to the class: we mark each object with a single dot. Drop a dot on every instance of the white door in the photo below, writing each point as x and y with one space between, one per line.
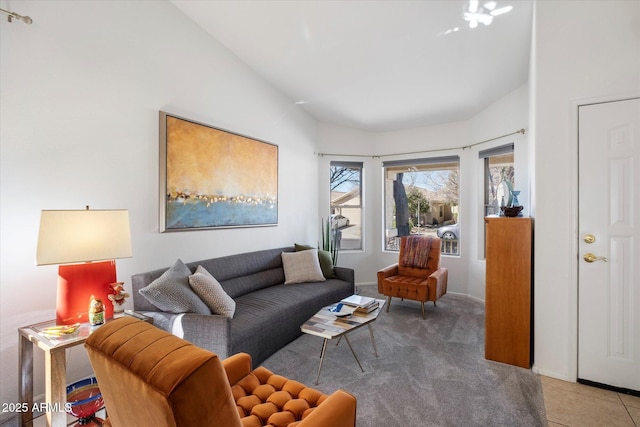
609 230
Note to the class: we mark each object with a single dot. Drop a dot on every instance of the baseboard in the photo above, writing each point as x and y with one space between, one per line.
621 390
375 284
366 284
552 374
467 295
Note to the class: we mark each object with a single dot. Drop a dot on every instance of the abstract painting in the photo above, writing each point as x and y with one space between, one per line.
213 178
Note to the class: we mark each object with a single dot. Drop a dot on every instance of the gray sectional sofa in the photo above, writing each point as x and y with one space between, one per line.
268 313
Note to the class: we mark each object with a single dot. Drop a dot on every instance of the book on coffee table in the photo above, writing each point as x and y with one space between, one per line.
367 309
359 301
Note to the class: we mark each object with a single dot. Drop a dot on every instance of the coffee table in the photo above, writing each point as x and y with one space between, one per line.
327 325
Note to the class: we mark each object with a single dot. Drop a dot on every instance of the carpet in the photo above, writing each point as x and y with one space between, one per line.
428 372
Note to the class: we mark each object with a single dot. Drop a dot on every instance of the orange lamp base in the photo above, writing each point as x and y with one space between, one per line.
77 283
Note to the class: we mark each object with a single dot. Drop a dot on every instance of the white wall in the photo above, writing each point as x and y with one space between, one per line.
81 89
593 54
505 116
446 139
350 142
586 52
466 272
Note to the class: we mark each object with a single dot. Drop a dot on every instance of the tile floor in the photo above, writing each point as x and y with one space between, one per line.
572 404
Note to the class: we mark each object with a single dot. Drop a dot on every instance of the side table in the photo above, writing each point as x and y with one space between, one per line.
55 368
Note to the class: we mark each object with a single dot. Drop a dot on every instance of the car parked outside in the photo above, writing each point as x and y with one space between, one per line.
339 221
449 232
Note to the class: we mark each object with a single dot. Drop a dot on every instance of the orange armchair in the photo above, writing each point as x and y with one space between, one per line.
150 377
417 275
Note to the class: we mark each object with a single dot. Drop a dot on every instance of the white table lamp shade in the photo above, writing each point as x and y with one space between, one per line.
71 236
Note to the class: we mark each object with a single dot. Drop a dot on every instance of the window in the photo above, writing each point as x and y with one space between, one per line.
421 197
498 167
345 179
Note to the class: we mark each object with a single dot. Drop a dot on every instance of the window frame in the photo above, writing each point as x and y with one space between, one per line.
419 164
486 155
360 205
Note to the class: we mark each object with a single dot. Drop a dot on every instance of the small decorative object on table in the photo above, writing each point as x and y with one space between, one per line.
512 211
514 200
96 311
336 308
118 296
341 310
62 331
83 401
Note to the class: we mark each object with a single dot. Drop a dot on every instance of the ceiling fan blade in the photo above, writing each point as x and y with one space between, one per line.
490 5
501 11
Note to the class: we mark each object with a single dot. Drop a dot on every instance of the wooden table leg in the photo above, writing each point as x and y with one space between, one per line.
56 388
25 380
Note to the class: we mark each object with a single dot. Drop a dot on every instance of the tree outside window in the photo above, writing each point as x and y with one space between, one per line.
421 197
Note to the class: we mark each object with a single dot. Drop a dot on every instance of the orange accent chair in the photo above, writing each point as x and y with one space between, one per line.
149 377
417 275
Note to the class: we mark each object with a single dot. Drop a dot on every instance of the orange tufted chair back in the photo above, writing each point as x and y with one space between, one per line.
149 377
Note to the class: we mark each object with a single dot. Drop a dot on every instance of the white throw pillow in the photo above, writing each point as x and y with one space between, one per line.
212 293
300 267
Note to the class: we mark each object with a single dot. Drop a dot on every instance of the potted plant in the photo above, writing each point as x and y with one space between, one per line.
330 240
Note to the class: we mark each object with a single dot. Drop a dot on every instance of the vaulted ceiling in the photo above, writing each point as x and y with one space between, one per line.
376 65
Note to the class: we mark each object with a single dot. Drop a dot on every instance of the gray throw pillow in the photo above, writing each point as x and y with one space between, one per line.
171 292
212 293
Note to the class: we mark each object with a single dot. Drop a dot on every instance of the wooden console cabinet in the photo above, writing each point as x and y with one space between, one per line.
508 326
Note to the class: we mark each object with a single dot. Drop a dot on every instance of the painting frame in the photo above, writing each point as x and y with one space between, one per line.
212 178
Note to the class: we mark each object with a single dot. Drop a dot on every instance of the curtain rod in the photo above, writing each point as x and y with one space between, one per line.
11 15
493 139
464 147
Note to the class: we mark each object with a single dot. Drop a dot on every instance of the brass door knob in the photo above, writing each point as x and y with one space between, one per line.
589 257
589 238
